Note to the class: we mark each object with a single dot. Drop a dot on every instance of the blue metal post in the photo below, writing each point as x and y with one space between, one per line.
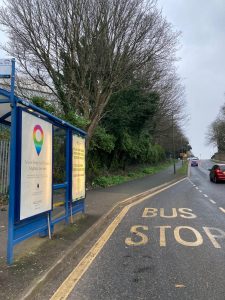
12 183
68 173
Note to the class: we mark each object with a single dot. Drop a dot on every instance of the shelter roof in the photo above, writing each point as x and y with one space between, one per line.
5 111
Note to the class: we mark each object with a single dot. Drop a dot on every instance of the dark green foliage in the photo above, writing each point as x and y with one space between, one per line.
59 156
140 148
4 199
103 141
105 181
125 135
130 119
102 144
4 132
123 138
76 120
44 104
129 110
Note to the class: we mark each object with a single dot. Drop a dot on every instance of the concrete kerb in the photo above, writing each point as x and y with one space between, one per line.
37 283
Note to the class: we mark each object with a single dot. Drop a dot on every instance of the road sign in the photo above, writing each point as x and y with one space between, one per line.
5 68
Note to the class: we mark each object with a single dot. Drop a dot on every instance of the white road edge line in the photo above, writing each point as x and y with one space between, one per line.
212 201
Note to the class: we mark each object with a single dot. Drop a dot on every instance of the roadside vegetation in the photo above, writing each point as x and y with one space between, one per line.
216 134
3 200
134 173
184 169
110 67
4 132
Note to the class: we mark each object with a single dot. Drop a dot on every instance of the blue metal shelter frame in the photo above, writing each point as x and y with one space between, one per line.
19 230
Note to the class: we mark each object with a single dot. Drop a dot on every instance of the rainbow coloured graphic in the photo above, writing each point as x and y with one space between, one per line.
38 141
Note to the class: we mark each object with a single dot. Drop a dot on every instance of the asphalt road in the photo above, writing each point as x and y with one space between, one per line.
170 246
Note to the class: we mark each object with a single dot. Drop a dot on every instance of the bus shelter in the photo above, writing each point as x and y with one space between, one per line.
31 184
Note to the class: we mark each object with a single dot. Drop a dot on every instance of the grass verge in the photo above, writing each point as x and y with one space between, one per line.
184 169
109 180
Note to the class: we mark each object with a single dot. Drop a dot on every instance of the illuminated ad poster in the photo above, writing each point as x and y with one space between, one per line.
36 166
78 171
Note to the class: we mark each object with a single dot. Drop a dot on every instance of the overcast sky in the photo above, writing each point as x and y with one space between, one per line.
3 38
202 64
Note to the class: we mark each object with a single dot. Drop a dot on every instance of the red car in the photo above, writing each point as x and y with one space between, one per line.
217 173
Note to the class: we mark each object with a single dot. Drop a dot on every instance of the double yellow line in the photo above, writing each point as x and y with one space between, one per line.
68 285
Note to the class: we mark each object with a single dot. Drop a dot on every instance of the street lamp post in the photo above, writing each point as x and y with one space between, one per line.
182 150
174 165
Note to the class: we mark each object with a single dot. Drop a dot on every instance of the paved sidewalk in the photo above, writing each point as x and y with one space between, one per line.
29 254
100 201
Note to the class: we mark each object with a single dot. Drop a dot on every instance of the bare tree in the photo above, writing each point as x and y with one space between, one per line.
162 78
171 103
216 131
216 134
84 50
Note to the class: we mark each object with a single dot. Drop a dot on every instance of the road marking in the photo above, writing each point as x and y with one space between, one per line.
68 285
70 282
138 238
162 213
200 191
151 212
191 182
144 238
212 201
197 188
162 236
211 236
222 209
179 286
189 215
205 196
197 242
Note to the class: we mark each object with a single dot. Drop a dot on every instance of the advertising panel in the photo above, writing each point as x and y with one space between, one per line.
36 166
78 168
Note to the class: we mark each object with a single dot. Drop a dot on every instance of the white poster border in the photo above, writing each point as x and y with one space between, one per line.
50 202
83 194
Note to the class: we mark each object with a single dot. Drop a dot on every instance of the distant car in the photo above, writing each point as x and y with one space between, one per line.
194 162
217 173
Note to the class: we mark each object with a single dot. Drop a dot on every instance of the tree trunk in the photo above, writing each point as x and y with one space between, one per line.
91 130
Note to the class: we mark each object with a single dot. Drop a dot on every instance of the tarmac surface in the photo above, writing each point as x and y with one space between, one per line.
170 246
34 257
